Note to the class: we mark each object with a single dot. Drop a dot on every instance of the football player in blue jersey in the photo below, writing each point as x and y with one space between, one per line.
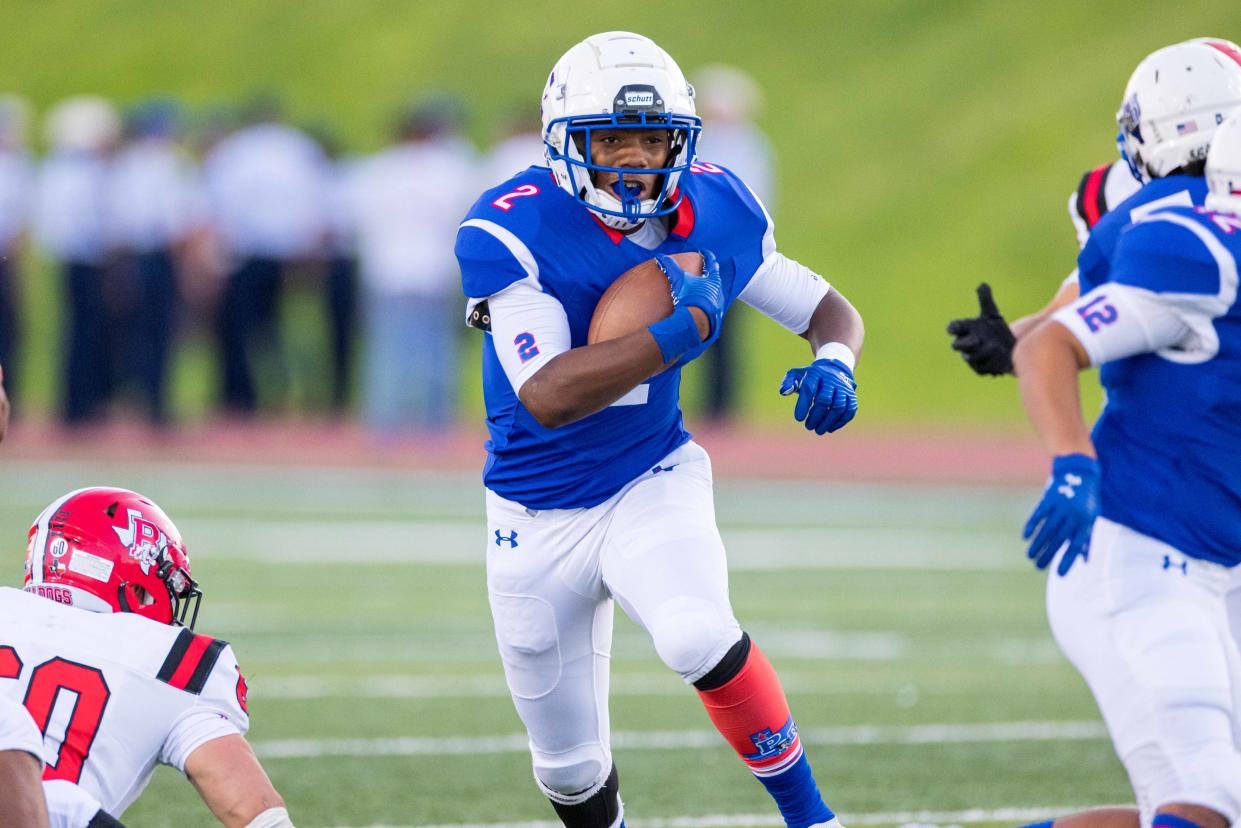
1144 513
1168 114
595 491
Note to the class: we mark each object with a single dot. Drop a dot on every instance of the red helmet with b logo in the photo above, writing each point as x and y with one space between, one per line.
111 550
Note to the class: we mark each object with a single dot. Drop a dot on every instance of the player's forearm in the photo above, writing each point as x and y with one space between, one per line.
1047 361
583 381
231 781
1068 293
835 320
23 805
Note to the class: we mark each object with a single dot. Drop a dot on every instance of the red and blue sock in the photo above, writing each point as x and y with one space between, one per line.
746 704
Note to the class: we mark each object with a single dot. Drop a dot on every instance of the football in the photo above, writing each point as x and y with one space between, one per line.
639 297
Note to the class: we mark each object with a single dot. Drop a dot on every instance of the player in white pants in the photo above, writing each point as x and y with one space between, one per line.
595 491
1144 513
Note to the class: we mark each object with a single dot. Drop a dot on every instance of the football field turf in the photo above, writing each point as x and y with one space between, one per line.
905 621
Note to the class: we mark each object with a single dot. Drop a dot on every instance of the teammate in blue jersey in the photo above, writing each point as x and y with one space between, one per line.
595 491
1172 104
1144 513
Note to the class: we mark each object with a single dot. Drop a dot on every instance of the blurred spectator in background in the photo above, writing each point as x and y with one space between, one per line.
340 268
70 223
153 207
267 192
407 201
16 180
728 101
519 145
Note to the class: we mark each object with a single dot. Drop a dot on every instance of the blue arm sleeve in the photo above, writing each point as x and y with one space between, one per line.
487 265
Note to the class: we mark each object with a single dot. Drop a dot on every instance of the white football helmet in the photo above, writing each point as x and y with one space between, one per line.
617 80
1224 167
1174 101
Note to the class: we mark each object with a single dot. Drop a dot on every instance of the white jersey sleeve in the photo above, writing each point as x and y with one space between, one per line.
220 709
528 328
785 291
1115 321
18 731
1101 190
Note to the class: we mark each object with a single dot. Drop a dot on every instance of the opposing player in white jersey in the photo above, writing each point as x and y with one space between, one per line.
595 491
21 767
1166 121
1144 514
96 651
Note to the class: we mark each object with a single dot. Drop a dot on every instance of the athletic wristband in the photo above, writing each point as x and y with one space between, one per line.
676 334
272 818
838 351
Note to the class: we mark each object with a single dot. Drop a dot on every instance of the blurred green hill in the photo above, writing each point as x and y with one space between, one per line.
925 145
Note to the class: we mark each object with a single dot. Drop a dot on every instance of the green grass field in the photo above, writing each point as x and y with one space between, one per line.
905 621
925 145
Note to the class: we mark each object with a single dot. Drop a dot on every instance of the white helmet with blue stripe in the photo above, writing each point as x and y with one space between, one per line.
617 80
1224 167
1175 99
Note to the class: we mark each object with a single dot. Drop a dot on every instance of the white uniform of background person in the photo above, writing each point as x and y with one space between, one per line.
267 192
16 182
729 100
407 201
70 223
154 203
511 155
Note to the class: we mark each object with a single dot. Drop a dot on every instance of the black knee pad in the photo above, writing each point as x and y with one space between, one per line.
599 811
728 668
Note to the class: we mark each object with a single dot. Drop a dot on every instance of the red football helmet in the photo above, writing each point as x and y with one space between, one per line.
111 550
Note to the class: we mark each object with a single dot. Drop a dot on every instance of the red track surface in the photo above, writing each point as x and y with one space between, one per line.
929 456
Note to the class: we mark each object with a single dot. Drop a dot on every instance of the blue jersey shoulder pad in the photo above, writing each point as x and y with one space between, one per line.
495 239
1168 252
724 186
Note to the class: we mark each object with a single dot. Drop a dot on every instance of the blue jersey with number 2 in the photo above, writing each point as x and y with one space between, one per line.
529 229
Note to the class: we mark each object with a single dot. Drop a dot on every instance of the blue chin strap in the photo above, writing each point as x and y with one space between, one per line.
685 129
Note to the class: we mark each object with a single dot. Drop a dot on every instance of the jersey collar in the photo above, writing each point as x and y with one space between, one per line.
682 220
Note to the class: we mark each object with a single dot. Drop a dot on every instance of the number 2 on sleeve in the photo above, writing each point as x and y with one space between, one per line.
505 202
526 349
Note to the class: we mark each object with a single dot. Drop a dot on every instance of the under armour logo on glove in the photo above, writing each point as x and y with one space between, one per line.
1069 487
510 539
1065 516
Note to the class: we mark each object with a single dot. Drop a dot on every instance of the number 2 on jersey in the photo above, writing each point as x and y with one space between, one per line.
87 699
505 202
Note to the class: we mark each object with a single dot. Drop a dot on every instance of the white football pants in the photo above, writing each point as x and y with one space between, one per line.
1148 628
551 578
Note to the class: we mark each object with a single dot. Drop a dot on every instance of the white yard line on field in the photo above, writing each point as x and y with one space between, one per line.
929 734
973 815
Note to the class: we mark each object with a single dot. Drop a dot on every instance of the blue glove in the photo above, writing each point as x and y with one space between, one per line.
827 394
1066 513
677 335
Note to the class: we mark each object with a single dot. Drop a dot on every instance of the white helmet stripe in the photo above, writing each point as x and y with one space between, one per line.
38 550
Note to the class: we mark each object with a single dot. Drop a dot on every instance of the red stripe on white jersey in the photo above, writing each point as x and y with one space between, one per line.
189 662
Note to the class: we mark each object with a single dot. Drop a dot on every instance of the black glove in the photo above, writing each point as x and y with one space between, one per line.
985 341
